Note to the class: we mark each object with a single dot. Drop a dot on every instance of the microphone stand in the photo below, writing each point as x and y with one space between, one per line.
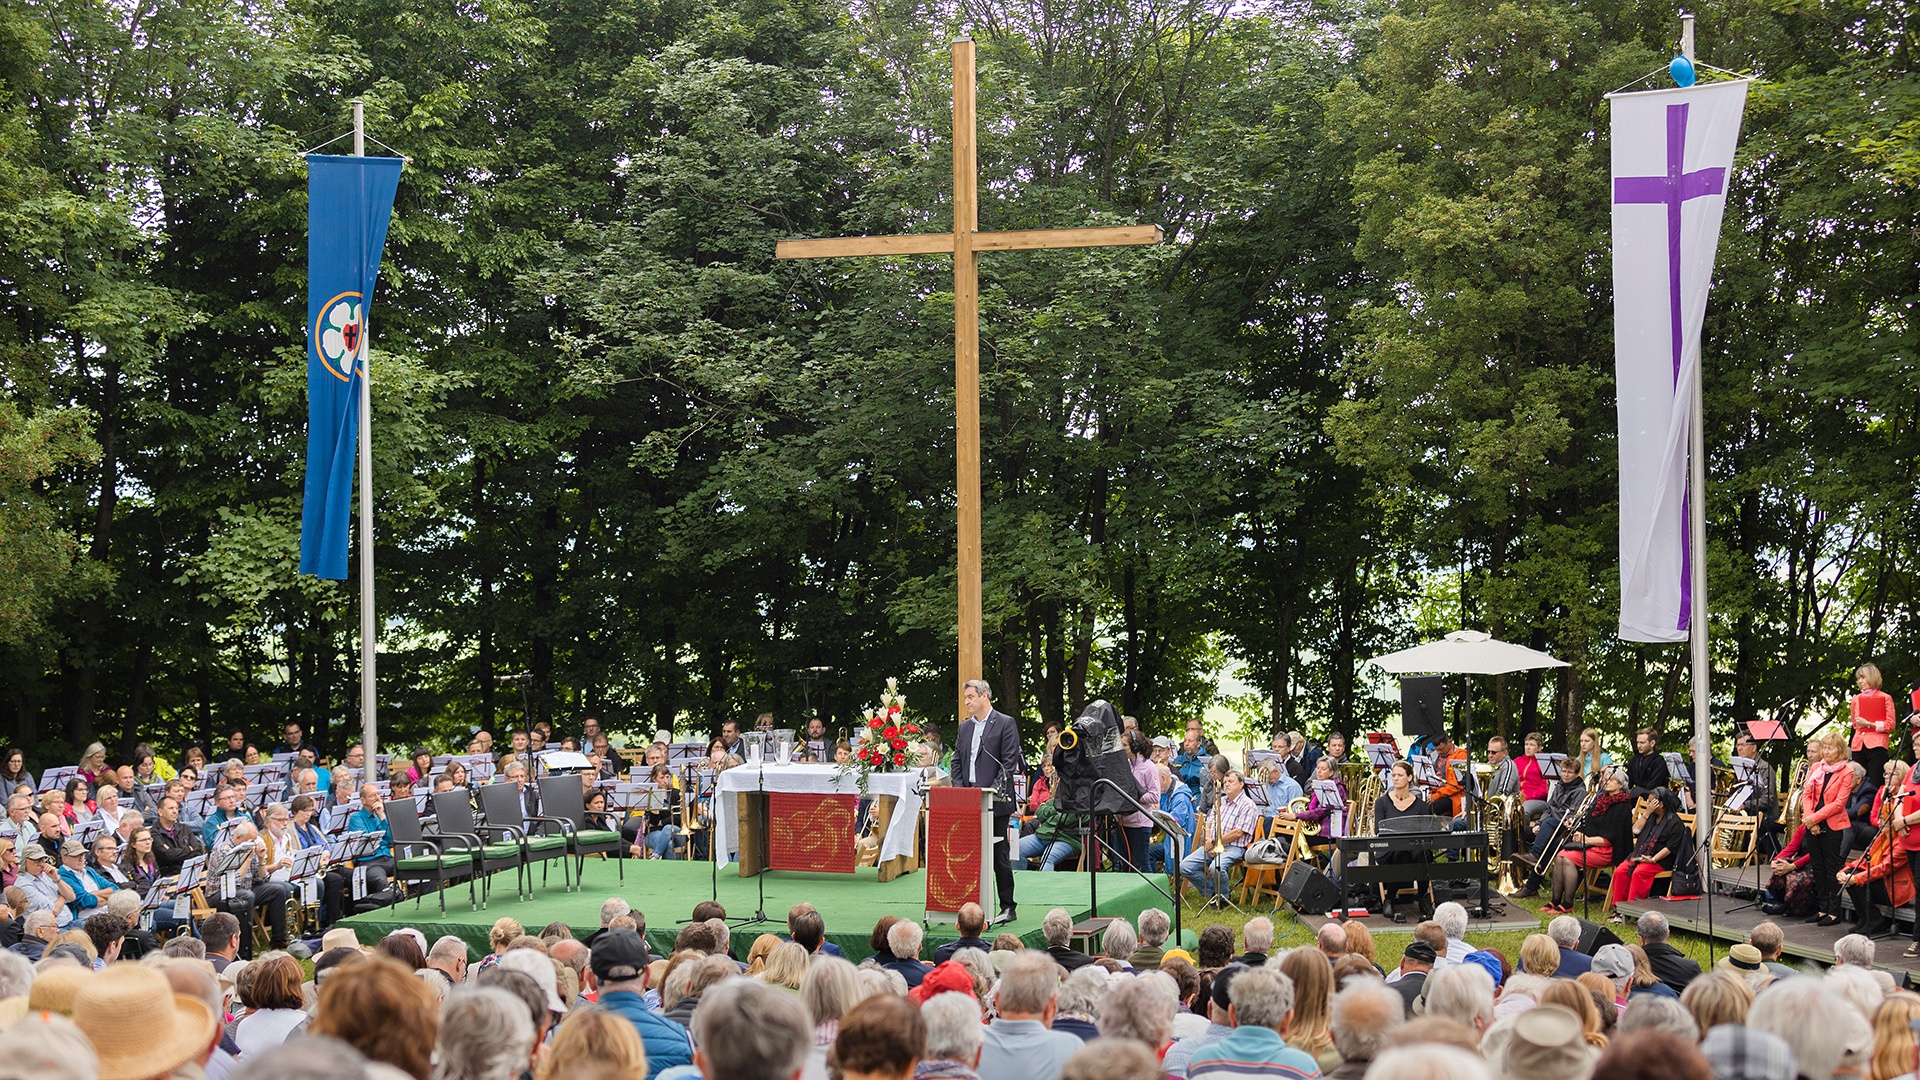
766 845
1094 865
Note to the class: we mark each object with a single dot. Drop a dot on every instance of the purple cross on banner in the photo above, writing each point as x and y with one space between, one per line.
1674 189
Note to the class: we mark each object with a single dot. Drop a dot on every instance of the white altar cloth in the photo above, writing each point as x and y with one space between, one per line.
826 779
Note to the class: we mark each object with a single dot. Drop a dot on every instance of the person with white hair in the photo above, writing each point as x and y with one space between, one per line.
485 1034
1258 934
747 1028
1565 932
1672 967
1819 1027
1118 943
1019 1044
1856 986
1462 993
954 1035
1078 1009
1155 926
1138 1010
16 975
1429 1061
1452 918
47 1046
904 939
1056 929
1651 1012
1365 1016
1260 1009
1854 949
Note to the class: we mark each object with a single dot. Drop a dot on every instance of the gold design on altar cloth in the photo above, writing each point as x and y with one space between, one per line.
813 840
956 833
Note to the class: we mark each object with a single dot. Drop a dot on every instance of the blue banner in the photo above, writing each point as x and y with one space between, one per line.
349 202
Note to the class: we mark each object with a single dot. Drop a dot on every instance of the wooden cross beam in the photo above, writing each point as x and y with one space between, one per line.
965 243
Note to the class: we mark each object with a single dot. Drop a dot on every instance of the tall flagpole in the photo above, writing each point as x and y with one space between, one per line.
367 736
1697 542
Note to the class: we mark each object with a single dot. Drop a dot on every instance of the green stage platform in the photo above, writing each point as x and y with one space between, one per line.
667 891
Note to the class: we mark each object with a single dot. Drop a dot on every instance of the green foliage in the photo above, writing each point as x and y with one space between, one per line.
1362 396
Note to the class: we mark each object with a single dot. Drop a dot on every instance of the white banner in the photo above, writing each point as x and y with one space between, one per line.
1672 155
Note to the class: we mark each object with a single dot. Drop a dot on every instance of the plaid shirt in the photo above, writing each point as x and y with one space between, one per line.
1239 813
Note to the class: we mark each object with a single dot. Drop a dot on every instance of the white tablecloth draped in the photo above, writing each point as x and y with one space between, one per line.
825 779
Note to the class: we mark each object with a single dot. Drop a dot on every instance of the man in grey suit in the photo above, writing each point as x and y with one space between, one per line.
985 755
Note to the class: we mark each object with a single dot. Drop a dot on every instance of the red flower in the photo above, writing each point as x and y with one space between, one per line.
899 759
899 744
891 732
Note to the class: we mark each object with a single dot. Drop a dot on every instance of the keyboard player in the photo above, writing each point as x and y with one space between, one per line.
1401 799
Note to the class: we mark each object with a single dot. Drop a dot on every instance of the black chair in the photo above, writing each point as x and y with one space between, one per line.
564 799
443 858
454 809
500 802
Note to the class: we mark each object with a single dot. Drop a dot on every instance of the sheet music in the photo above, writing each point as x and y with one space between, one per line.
1739 798
1549 763
56 778
1328 793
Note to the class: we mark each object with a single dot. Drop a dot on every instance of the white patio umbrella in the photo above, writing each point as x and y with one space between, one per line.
1465 652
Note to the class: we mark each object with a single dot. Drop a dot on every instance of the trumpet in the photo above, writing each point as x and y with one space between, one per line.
1217 844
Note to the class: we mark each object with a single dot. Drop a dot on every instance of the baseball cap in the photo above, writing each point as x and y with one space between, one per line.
618 955
1613 961
537 966
1165 742
1487 962
1736 1052
1223 982
71 848
34 853
1421 953
946 976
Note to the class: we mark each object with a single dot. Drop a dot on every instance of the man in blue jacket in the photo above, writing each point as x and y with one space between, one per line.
617 967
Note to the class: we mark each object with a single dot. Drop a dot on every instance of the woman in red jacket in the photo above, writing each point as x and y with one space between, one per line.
1823 805
1872 713
1905 823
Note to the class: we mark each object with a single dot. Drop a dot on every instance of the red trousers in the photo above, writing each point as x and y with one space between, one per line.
1634 881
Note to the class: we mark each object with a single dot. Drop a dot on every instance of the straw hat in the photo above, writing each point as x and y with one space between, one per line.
1548 1043
340 937
138 1025
12 1009
55 989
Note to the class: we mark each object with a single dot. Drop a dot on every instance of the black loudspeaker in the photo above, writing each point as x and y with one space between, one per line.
1593 935
1423 706
1310 891
1095 776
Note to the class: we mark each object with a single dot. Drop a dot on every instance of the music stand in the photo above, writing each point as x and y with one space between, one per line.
1767 730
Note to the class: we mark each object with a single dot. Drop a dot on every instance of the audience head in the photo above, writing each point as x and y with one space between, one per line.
484 1034
971 920
807 929
1365 1015
1564 930
1652 1055
140 1025
1718 997
1545 1043
1768 938
954 1032
829 988
1429 1060
1139 1010
1462 993
1215 949
1452 918
750 1030
883 1036
1029 988
1056 928
1154 926
1819 1026
1647 1012
1119 941
1653 928
1261 997
1539 955
1745 1053
1332 940
592 1037
46 1046
904 938
1855 950
380 1009
1893 1037
1112 1059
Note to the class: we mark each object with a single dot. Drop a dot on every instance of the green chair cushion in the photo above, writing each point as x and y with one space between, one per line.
459 861
506 849
547 843
597 836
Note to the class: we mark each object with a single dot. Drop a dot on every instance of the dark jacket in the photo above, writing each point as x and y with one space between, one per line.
1573 963
1067 958
682 1012
1647 771
1350 1070
945 952
1079 1029
911 970
1409 986
170 851
1671 966
999 755
1147 957
667 1043
1252 959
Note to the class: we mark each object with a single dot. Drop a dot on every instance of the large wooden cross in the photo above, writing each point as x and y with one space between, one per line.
965 243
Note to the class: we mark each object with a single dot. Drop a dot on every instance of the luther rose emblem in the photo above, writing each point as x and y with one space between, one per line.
338 333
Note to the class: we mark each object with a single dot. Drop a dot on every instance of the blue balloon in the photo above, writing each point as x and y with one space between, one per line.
1682 71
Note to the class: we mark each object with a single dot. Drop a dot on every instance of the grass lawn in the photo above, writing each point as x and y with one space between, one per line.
1290 931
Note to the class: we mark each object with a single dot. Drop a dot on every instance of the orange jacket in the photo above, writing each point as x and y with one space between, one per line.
1449 792
1827 806
1872 719
1880 857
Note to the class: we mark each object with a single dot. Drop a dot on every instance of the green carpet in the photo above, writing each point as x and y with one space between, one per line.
667 891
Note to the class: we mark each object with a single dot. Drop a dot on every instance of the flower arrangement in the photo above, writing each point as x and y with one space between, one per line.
889 739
